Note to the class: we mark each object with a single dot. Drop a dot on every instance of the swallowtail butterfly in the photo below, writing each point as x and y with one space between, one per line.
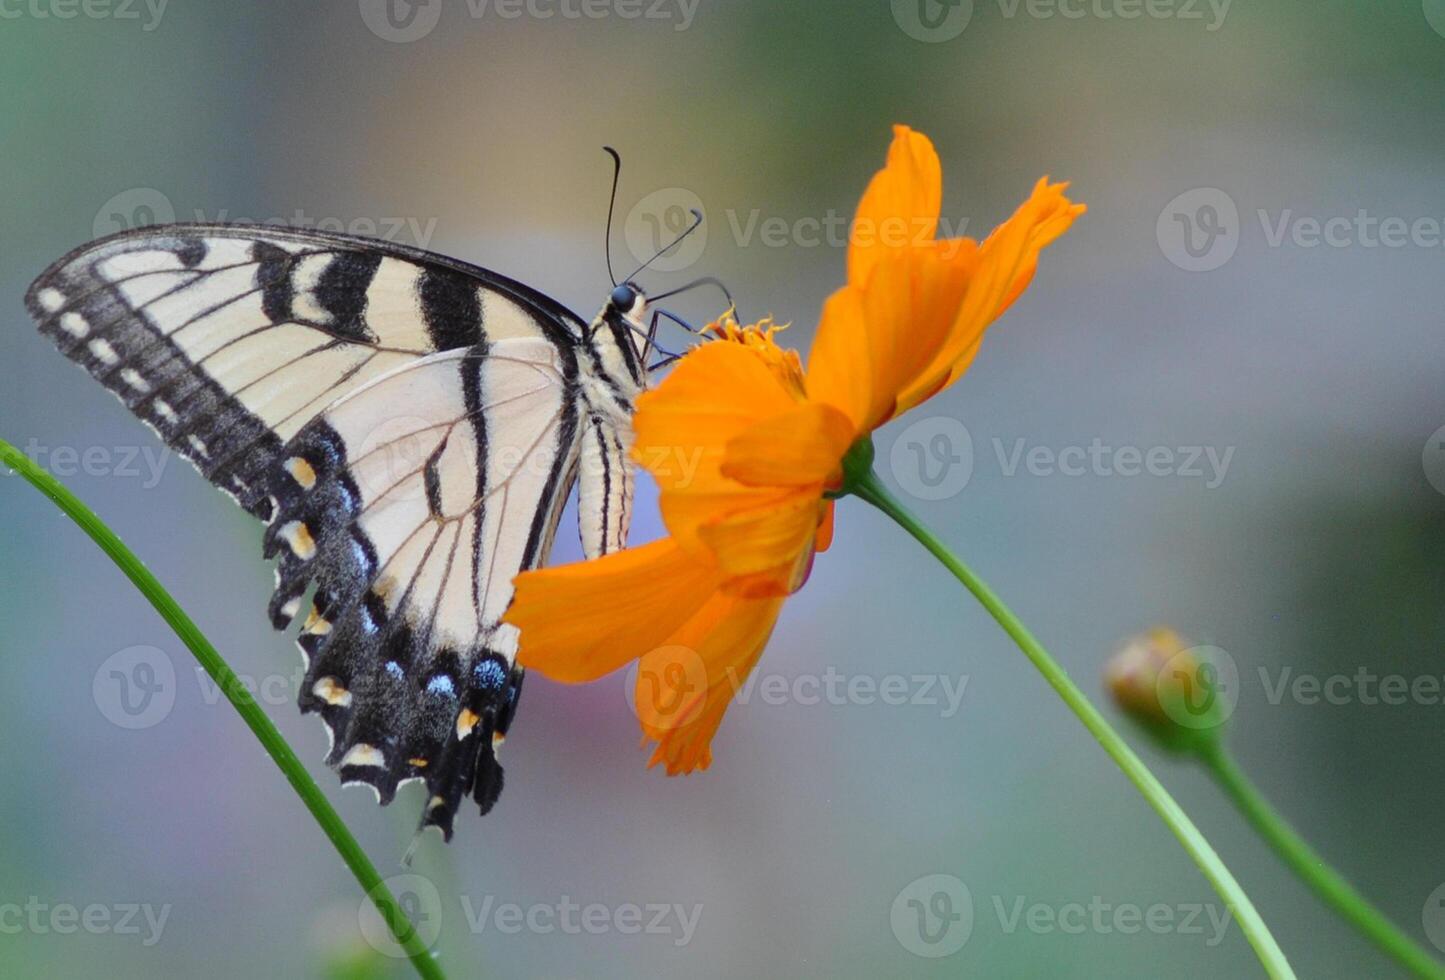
408 426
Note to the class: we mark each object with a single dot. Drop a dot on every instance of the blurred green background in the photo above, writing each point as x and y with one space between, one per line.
475 130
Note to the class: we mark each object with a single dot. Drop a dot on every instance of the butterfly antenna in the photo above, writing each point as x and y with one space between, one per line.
703 281
611 203
696 223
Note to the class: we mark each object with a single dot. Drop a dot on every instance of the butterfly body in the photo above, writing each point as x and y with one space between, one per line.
408 426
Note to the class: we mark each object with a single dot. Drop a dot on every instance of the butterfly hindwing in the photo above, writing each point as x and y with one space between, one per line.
410 505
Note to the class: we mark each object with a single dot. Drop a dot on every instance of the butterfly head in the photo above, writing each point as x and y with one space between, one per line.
628 300
621 337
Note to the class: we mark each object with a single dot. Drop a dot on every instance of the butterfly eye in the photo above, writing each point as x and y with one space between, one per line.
623 297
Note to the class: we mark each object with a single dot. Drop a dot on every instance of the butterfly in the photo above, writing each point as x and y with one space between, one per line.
408 426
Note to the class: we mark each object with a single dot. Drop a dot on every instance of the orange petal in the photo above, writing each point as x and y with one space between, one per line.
727 635
876 340
900 208
716 393
770 539
840 362
713 394
579 622
1005 264
1058 214
800 447
824 540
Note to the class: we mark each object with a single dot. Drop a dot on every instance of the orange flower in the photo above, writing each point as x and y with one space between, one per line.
746 447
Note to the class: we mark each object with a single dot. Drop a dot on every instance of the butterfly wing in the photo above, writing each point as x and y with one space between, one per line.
407 426
227 339
411 504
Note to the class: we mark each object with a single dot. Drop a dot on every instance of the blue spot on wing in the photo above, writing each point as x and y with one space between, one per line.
489 674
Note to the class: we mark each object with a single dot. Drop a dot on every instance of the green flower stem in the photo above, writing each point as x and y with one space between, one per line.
864 483
1338 893
245 705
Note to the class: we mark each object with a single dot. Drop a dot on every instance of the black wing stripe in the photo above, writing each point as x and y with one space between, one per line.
451 309
341 291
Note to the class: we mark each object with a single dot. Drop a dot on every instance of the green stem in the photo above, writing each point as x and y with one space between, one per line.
865 484
268 735
1338 893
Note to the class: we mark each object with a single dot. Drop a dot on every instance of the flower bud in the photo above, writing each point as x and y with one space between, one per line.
1181 695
